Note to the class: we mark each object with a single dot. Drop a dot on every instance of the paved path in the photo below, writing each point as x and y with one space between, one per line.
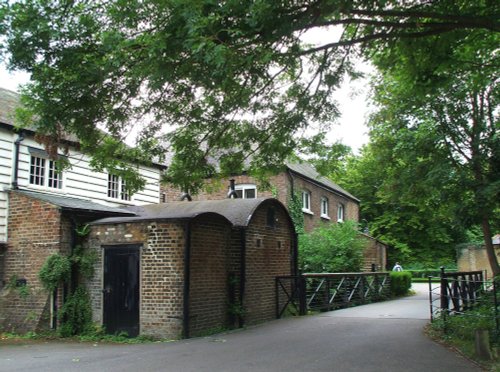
378 337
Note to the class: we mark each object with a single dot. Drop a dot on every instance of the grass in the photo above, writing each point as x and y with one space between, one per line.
122 338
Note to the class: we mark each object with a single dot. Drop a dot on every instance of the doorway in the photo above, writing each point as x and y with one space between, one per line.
121 289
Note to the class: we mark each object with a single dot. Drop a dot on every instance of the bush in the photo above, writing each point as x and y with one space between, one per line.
55 270
76 314
400 282
332 248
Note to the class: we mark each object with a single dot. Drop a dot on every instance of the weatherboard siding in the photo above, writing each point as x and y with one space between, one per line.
79 181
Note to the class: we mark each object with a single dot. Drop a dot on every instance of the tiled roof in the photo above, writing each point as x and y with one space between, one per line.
9 100
307 170
237 211
75 204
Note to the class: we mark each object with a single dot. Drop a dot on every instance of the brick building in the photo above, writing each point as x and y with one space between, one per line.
323 201
185 268
39 209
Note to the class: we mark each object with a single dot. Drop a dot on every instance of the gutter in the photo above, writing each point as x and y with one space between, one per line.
187 279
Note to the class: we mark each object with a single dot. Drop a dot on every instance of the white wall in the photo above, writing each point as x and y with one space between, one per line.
79 181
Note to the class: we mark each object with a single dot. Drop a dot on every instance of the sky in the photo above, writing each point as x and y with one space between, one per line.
352 98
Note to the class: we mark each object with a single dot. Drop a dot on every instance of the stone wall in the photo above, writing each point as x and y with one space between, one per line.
475 258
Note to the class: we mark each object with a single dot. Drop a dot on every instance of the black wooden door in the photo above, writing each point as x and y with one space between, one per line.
121 289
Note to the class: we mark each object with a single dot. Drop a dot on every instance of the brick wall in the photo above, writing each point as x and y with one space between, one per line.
268 254
218 189
211 263
351 208
36 230
161 268
375 253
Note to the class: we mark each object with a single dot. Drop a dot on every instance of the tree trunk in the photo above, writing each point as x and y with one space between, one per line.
492 257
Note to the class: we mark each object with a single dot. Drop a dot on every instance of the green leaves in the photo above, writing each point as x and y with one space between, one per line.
331 248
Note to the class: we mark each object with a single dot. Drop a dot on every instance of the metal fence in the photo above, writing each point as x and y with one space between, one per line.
457 293
296 295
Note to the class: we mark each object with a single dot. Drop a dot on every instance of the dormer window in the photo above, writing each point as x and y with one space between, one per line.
43 175
246 191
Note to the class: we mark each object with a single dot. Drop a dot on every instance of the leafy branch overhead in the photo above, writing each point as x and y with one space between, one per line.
204 80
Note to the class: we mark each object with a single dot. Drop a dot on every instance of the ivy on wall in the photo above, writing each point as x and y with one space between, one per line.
295 210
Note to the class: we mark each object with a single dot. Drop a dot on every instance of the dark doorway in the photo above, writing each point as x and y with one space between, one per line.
121 289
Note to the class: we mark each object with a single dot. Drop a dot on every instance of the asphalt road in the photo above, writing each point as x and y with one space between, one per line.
384 336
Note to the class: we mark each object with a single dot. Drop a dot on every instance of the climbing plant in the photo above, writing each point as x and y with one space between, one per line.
76 312
295 210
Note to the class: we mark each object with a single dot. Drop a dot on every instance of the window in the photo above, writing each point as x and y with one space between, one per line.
324 208
246 191
117 188
41 175
271 217
306 201
340 213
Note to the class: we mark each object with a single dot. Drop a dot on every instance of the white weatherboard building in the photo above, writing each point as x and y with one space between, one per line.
25 164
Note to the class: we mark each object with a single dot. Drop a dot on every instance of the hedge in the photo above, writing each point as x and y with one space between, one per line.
400 282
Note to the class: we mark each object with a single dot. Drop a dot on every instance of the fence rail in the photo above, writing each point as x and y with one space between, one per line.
459 292
328 291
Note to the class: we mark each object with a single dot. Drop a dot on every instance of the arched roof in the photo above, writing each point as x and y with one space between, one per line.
238 212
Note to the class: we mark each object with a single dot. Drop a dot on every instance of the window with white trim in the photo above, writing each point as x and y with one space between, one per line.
324 207
340 213
306 201
246 191
41 175
117 188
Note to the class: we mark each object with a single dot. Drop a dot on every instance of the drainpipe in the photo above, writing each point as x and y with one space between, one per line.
243 251
187 278
17 143
232 191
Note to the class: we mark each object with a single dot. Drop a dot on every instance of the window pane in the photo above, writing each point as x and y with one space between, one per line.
239 193
37 171
55 177
250 194
124 192
113 186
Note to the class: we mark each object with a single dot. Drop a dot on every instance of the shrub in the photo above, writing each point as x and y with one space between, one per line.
400 282
55 270
332 248
76 314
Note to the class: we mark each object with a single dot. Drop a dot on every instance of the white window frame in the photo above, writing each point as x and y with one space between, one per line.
43 173
306 202
324 208
244 187
340 212
116 188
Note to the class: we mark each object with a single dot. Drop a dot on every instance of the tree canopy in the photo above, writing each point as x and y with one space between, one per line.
231 83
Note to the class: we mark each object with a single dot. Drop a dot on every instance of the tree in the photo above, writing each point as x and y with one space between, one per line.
219 80
407 195
444 92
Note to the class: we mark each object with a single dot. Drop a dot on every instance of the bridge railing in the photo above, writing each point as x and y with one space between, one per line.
296 295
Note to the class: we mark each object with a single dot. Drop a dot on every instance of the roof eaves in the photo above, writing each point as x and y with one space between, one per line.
322 185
